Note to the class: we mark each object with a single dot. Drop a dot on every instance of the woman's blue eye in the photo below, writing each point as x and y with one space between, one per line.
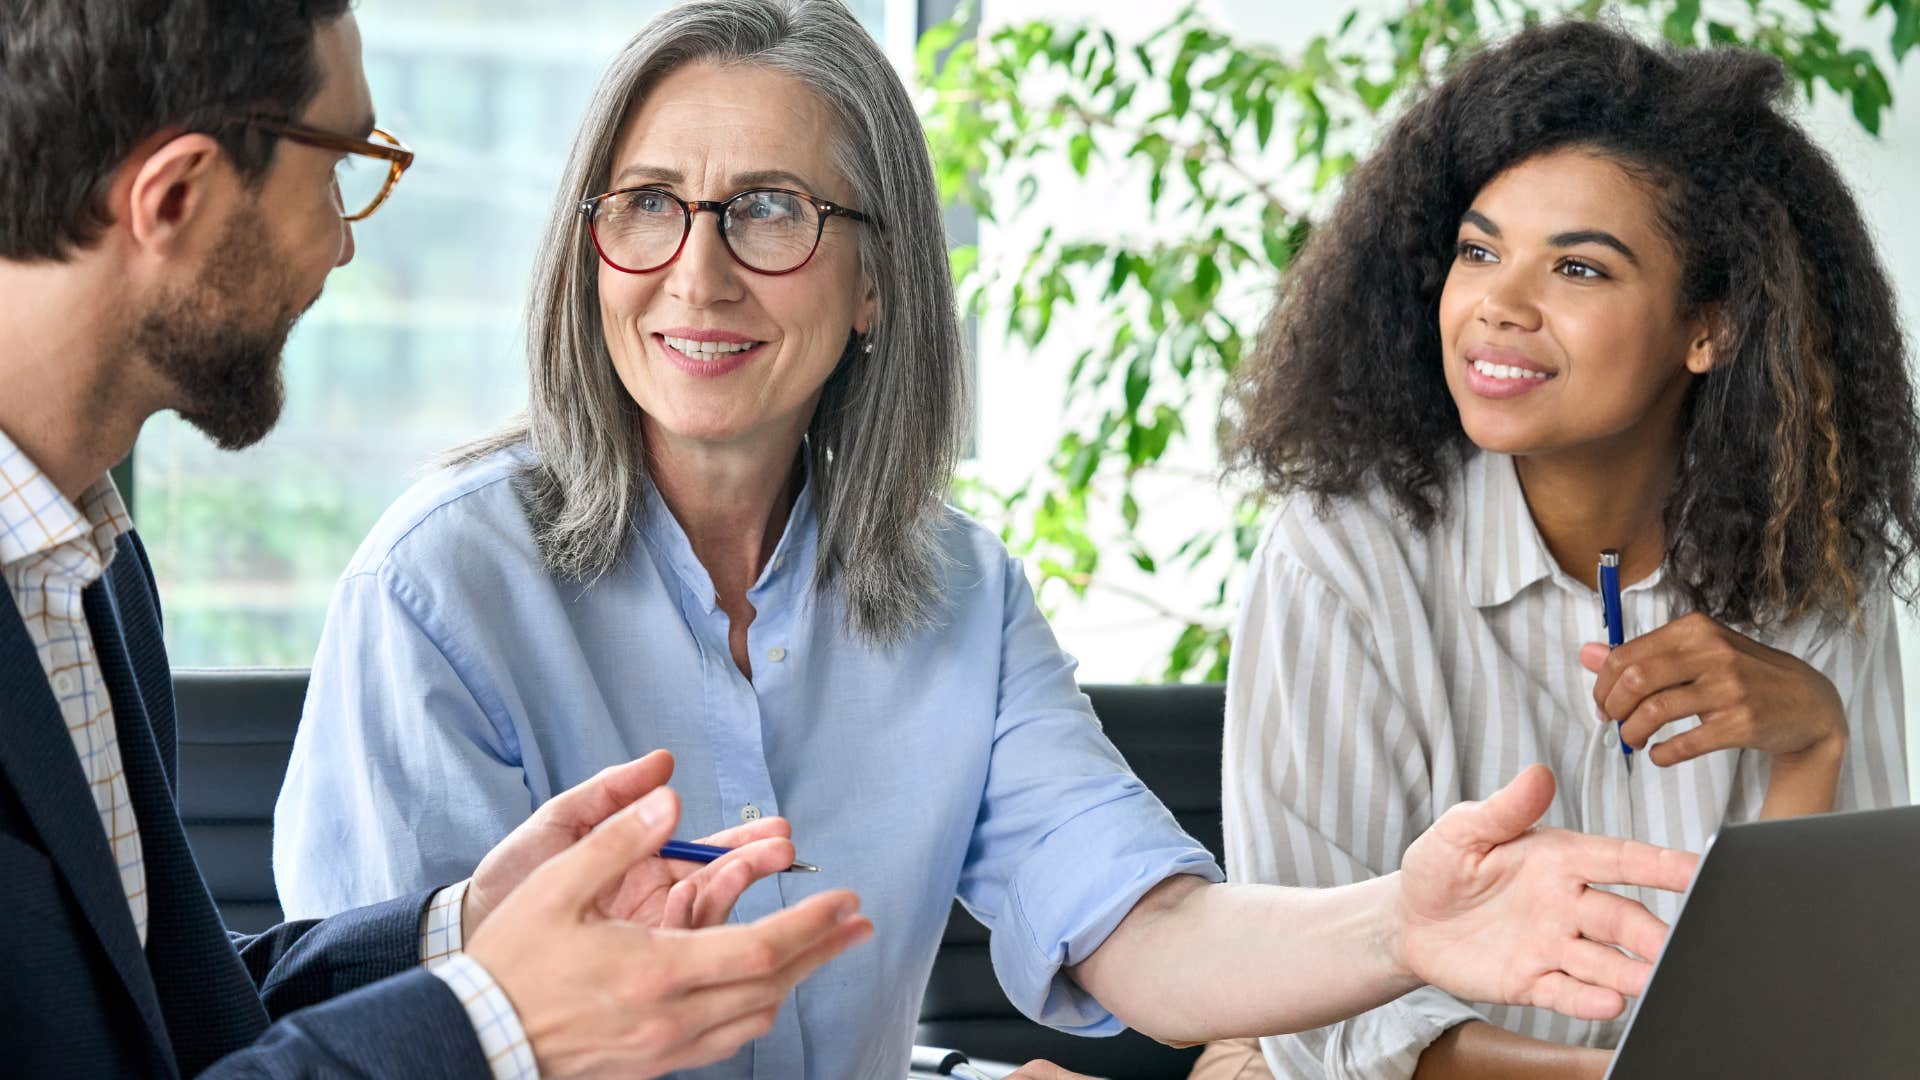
769 206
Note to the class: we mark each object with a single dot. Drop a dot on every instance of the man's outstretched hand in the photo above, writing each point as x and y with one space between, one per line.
1495 910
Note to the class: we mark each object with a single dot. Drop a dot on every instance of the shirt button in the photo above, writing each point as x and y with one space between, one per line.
779 563
749 812
1612 737
63 684
776 654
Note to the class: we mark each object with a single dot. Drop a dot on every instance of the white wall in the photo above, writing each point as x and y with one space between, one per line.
1020 400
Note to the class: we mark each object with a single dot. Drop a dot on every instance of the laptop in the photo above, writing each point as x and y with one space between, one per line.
1796 954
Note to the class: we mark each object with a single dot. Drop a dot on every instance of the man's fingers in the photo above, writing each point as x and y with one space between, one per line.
1569 996
594 866
1505 814
1601 860
1608 968
718 1020
854 930
592 801
763 948
1615 920
719 1043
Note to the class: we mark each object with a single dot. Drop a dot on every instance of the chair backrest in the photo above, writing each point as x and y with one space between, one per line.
236 732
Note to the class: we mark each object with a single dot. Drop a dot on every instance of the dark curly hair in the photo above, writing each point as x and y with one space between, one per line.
1796 480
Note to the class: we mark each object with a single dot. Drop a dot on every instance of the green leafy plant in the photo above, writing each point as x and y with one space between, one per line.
1213 157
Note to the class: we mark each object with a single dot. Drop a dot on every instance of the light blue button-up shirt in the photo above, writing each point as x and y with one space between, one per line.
459 685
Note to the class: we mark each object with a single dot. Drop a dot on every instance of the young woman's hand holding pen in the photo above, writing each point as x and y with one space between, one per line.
1745 694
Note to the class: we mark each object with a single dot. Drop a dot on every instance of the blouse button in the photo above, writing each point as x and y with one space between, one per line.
776 654
749 812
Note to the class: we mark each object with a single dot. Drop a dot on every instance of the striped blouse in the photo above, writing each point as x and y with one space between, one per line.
1381 674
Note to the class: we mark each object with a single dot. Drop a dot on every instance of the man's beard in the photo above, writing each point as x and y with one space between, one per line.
219 341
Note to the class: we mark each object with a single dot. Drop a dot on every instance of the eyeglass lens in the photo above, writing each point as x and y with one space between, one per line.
360 179
769 231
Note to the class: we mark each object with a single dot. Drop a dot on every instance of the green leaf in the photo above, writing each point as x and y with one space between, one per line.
932 43
1906 27
1206 279
1273 237
1679 27
1870 95
1374 95
1079 149
1331 169
1139 376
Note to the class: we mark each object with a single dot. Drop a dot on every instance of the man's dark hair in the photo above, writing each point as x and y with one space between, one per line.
82 82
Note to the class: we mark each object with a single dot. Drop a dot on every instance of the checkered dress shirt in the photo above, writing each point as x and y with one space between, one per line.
50 552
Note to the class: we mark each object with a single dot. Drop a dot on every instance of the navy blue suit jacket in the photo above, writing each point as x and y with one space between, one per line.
80 997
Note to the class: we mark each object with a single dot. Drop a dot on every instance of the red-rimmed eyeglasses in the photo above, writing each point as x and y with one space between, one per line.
766 230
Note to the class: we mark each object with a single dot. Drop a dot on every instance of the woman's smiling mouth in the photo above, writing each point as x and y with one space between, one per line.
1494 372
707 353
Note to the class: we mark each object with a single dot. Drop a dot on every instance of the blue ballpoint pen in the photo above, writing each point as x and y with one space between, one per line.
706 853
1616 628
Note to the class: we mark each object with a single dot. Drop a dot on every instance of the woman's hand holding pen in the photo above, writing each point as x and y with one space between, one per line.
655 892
600 995
1745 694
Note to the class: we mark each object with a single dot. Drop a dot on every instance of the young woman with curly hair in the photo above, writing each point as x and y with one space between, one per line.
1587 294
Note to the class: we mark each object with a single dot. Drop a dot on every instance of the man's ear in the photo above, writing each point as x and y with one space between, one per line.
174 189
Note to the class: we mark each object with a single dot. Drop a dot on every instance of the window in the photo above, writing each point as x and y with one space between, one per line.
416 345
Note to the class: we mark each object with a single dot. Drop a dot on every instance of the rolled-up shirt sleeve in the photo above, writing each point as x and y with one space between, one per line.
1067 839
1325 783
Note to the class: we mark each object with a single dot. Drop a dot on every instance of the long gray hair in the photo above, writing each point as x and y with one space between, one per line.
886 434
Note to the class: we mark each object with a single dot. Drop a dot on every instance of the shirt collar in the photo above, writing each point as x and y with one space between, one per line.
1505 552
791 562
35 518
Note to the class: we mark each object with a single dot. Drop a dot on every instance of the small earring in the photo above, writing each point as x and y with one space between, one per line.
866 345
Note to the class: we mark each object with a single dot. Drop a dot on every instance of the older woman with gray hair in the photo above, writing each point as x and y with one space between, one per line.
719 530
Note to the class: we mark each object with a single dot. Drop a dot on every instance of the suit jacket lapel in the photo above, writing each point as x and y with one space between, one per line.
37 756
